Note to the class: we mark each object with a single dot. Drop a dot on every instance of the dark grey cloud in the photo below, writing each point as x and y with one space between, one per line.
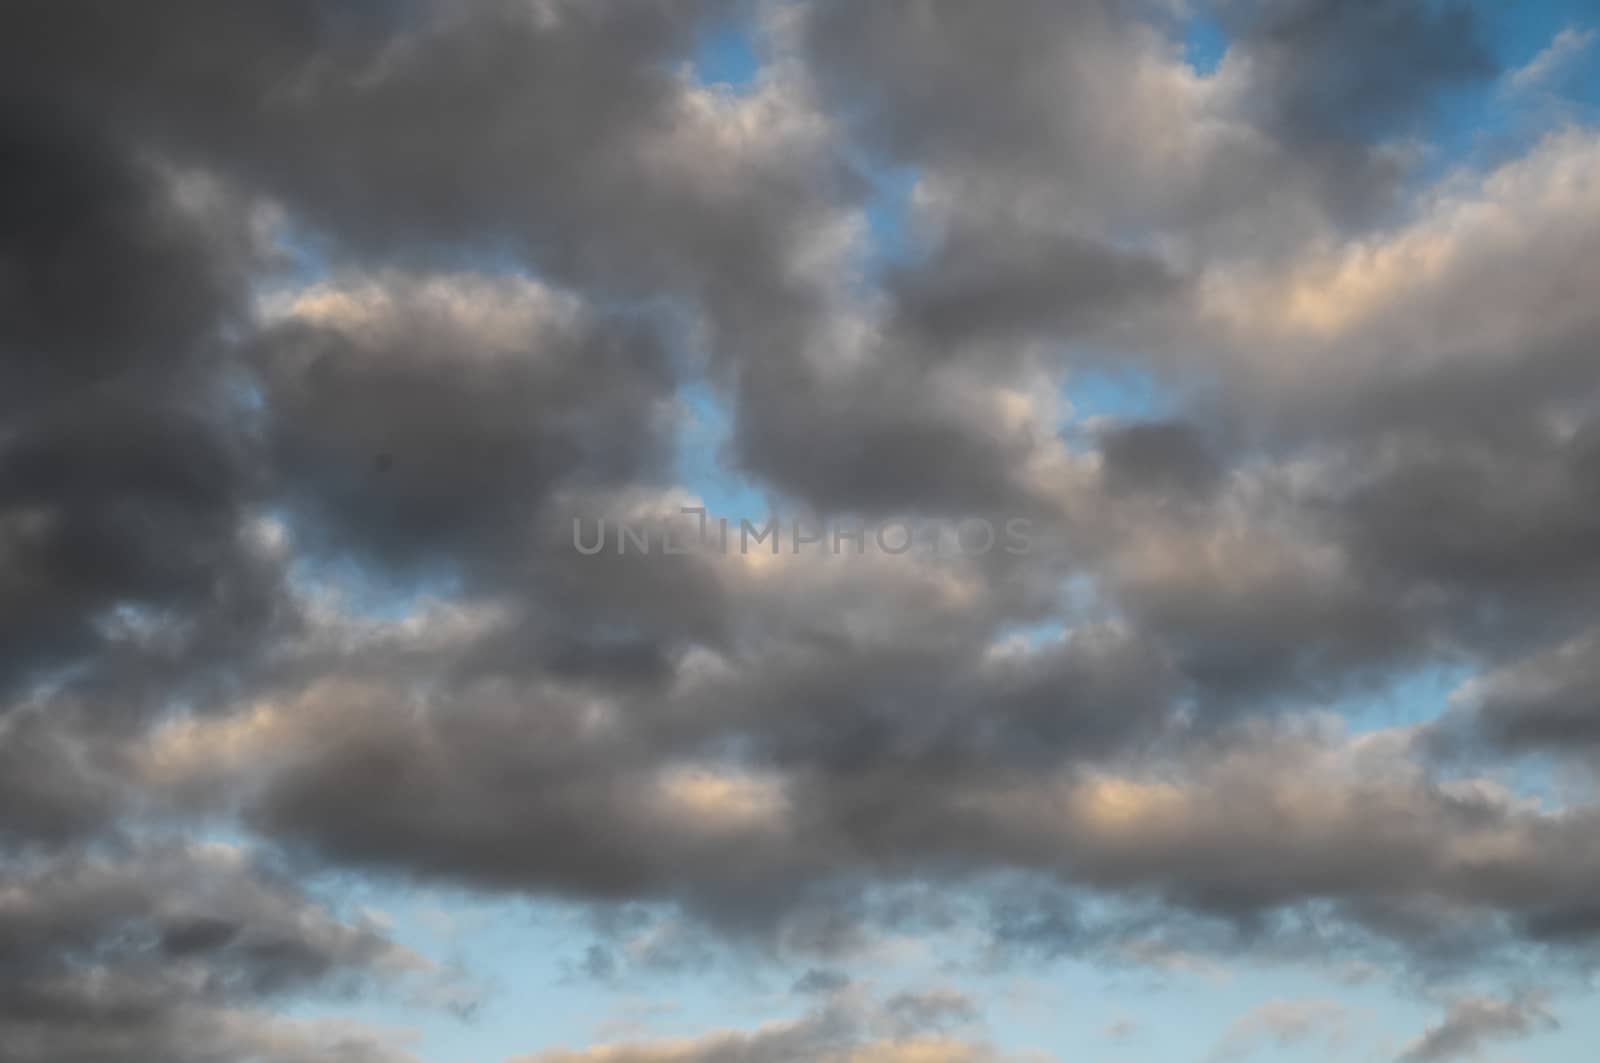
109 284
168 950
833 789
57 783
1544 701
1510 519
997 278
1252 610
842 746
1009 111
121 480
1163 458
1340 83
428 419
881 441
1471 1022
1354 72
558 133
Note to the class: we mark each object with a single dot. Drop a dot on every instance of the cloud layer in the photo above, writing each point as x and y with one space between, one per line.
315 341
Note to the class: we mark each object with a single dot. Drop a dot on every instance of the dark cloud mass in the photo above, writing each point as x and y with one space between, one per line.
320 324
169 951
1409 56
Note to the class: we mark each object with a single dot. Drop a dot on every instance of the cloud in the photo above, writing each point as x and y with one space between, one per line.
1566 48
1472 1021
1542 701
1122 1029
839 1032
416 418
1306 52
171 950
315 341
1281 1023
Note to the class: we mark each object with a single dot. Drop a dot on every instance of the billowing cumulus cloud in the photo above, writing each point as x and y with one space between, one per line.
169 950
332 337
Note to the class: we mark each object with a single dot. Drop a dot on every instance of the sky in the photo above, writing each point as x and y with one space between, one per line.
750 531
